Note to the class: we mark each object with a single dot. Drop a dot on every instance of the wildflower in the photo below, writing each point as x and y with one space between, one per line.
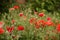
37 25
58 28
1 30
20 28
48 18
16 7
32 20
21 14
49 23
10 29
41 14
41 22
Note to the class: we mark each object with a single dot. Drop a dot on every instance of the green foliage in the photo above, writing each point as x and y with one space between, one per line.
49 5
30 31
4 6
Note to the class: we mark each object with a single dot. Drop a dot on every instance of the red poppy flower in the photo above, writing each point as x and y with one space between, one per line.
21 14
20 28
32 20
41 22
49 23
38 22
41 14
1 30
16 7
37 25
58 28
48 18
10 29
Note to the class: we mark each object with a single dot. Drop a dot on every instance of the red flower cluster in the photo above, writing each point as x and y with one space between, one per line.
32 20
36 22
37 25
39 22
43 23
